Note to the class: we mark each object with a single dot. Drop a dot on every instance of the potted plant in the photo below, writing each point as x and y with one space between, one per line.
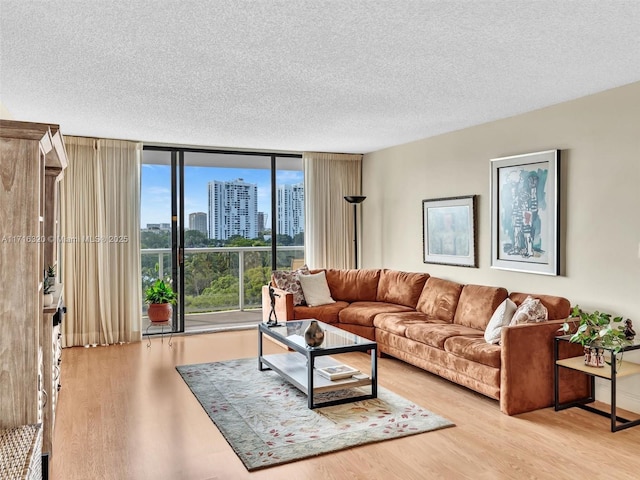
51 271
160 297
596 331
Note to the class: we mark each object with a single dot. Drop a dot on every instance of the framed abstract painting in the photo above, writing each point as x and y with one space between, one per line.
525 213
449 231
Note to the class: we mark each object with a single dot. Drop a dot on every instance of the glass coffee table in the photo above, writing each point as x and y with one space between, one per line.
299 366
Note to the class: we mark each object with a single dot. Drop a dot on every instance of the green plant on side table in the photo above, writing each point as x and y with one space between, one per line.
160 297
596 331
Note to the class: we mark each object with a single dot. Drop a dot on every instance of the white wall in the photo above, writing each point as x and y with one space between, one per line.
599 136
4 113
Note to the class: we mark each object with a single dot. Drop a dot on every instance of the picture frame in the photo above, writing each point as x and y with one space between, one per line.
525 213
449 231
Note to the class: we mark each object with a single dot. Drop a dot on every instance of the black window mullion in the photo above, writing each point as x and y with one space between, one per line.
274 213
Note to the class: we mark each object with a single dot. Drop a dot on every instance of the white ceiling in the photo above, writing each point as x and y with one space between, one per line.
304 75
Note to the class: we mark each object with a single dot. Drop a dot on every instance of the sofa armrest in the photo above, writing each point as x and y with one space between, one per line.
283 307
527 368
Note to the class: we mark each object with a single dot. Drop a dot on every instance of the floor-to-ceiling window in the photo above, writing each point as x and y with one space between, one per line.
155 217
289 215
216 224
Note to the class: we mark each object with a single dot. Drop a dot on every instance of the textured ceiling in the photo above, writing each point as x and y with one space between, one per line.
338 76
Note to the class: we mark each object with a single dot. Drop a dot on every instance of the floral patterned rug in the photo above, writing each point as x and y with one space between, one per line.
266 421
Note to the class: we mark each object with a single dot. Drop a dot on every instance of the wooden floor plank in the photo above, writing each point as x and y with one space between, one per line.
125 413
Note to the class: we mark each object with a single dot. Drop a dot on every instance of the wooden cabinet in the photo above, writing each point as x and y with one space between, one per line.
32 159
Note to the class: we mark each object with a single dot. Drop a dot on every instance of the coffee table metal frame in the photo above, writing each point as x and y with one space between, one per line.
310 357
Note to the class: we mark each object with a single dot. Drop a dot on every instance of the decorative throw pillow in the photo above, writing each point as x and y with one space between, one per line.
530 311
500 318
287 280
316 290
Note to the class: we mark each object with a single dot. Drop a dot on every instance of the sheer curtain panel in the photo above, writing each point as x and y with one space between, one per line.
100 229
328 177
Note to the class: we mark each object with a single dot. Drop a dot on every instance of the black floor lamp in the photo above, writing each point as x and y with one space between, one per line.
355 200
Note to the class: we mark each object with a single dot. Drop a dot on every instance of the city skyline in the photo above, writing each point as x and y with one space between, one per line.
156 189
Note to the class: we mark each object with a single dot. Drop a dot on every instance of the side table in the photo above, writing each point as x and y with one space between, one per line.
616 370
162 325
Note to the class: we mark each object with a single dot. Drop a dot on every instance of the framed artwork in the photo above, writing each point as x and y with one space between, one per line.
449 231
525 215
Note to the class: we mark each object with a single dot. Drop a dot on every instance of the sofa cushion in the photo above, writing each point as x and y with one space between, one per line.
439 298
476 305
363 313
529 311
325 313
435 334
287 280
397 323
315 289
474 349
353 285
558 308
500 318
402 288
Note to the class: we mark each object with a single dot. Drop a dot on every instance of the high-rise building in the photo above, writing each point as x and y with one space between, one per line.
290 209
262 222
233 209
198 221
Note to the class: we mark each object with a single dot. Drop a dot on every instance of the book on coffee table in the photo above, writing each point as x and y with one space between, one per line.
337 372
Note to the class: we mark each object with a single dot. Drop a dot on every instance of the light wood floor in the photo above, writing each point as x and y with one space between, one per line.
125 413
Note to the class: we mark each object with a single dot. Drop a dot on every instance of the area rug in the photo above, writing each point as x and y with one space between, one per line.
266 421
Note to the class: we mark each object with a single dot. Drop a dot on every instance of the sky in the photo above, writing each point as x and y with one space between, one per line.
156 188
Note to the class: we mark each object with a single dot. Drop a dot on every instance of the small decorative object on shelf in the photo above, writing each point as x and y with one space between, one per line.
629 332
47 290
596 331
314 335
594 356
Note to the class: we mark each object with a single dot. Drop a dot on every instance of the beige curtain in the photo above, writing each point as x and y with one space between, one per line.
100 228
329 228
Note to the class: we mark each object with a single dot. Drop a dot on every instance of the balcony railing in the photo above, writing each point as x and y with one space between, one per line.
219 278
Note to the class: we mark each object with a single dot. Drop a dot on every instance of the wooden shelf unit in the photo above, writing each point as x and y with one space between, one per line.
32 160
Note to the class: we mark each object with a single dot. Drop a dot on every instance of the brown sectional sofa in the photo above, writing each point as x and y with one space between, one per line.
438 325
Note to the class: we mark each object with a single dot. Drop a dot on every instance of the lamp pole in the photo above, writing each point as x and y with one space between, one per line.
355 200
